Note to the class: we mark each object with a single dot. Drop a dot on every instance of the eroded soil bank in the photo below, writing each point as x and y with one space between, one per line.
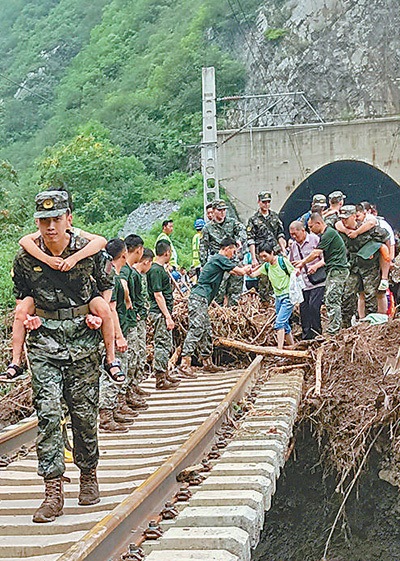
305 505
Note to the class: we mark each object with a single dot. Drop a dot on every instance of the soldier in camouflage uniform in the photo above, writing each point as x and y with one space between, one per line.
332 247
365 273
336 201
213 233
161 304
199 335
114 413
63 351
134 395
139 276
263 227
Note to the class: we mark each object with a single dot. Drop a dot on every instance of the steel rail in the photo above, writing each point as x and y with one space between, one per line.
110 536
11 440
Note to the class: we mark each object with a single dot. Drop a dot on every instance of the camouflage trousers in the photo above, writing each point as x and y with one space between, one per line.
142 351
199 335
77 382
129 359
232 287
334 290
163 343
360 280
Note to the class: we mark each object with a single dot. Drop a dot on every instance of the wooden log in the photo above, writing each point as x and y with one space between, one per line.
318 371
289 367
245 347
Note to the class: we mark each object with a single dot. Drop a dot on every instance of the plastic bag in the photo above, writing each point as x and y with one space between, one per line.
296 285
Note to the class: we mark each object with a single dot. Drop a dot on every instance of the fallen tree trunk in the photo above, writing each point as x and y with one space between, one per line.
245 347
318 371
289 367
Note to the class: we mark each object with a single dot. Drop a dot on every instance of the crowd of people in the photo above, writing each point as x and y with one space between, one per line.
76 291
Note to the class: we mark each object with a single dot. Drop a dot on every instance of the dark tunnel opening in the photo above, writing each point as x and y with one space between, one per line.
357 180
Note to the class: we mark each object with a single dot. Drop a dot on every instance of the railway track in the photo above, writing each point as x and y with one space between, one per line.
137 473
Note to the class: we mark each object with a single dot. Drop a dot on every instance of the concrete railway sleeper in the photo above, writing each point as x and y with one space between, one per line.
137 473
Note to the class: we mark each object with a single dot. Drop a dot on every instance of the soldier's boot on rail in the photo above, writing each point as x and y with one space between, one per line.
108 423
123 418
124 410
89 488
209 366
172 379
134 401
141 392
53 503
185 368
162 383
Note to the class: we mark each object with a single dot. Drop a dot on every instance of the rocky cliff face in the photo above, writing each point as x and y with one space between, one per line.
345 56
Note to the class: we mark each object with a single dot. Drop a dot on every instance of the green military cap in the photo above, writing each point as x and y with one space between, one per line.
347 211
264 196
319 200
51 203
336 196
219 204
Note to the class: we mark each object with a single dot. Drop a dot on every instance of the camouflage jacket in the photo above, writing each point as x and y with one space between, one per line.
353 245
63 339
331 219
261 229
213 233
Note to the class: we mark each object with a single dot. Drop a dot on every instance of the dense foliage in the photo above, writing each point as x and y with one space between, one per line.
105 97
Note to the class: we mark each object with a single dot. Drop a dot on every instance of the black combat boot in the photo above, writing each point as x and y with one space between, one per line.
89 488
53 503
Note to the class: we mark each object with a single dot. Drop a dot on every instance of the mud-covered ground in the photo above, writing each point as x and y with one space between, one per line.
305 505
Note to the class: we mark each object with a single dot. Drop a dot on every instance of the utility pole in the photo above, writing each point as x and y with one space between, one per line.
209 144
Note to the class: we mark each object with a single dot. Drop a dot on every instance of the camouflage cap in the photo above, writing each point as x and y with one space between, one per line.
51 203
347 211
264 196
219 204
336 197
319 200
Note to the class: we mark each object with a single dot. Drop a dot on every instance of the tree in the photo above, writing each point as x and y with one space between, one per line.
104 184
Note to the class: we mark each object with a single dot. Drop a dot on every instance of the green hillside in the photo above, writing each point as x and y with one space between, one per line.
105 97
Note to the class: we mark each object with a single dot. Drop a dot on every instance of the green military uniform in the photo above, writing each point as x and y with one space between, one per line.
174 255
159 281
199 335
63 352
337 271
364 273
212 235
139 284
129 359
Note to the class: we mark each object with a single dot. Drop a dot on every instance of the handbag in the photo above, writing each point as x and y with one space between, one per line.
319 275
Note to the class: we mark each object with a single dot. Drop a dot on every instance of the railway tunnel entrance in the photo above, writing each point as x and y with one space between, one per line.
358 180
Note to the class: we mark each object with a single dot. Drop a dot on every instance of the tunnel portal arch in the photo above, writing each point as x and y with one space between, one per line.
358 180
